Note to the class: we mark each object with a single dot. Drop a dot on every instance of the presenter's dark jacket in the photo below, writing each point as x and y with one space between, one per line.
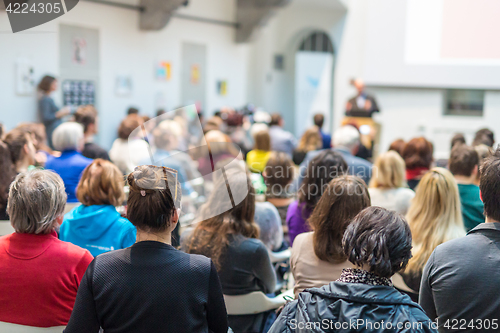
149 287
341 302
356 111
461 280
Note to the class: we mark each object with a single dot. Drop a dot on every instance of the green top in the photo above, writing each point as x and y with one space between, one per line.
472 206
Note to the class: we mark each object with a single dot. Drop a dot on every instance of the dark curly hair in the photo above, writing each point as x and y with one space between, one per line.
378 238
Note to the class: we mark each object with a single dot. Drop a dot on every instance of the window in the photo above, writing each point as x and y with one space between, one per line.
464 102
317 42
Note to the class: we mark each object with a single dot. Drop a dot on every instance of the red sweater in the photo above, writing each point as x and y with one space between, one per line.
39 278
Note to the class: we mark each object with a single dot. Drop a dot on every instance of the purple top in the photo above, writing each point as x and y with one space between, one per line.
296 219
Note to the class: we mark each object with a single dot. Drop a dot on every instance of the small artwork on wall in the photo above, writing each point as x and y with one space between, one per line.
195 74
25 83
79 51
222 87
78 92
163 71
123 85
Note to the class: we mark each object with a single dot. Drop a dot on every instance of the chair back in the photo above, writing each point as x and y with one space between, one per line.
253 303
5 229
14 328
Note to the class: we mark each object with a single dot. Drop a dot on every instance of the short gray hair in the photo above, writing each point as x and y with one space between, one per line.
36 199
346 136
67 136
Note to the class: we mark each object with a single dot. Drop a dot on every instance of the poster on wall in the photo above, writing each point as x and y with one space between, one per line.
25 82
163 71
79 51
222 87
123 85
195 74
77 92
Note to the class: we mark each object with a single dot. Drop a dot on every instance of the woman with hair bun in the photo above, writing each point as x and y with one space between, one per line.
150 286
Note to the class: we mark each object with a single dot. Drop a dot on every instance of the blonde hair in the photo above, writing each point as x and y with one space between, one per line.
434 216
310 140
389 171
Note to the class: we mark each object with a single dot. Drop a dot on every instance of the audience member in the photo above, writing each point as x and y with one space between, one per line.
257 158
460 280
317 257
129 149
50 114
378 243
322 169
219 148
464 165
132 110
68 138
326 139
434 218
7 175
388 184
151 274
281 140
95 225
39 137
269 222
229 236
345 141
87 117
458 138
483 151
22 149
417 155
398 146
40 274
278 177
310 141
484 136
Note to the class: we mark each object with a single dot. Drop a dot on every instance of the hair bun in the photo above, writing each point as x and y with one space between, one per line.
142 178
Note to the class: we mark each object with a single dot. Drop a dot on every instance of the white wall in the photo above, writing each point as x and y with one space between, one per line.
126 50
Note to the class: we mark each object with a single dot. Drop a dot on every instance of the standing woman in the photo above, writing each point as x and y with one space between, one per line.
50 114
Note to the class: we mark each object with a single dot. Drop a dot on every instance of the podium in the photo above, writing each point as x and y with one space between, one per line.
372 139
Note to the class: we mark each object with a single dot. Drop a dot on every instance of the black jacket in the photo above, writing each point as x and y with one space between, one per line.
352 307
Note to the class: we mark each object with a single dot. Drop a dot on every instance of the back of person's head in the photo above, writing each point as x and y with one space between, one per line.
268 219
218 143
154 195
434 216
68 136
484 136
132 110
128 125
458 138
278 173
398 146
20 143
489 185
320 171
276 119
101 183
319 119
262 141
166 134
36 199
463 160
219 217
483 151
380 239
417 153
310 140
7 174
344 197
346 137
45 84
86 116
37 131
388 171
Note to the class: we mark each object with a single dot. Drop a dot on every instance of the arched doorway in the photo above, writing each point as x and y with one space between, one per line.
314 63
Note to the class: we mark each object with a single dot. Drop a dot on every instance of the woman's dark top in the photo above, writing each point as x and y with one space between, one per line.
48 109
149 287
412 280
245 267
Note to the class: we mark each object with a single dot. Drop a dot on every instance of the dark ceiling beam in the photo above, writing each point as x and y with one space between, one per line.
251 14
157 13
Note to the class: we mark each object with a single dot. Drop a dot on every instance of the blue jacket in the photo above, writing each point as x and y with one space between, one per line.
69 166
97 228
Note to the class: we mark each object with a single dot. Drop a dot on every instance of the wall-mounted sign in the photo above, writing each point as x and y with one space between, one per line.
77 92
